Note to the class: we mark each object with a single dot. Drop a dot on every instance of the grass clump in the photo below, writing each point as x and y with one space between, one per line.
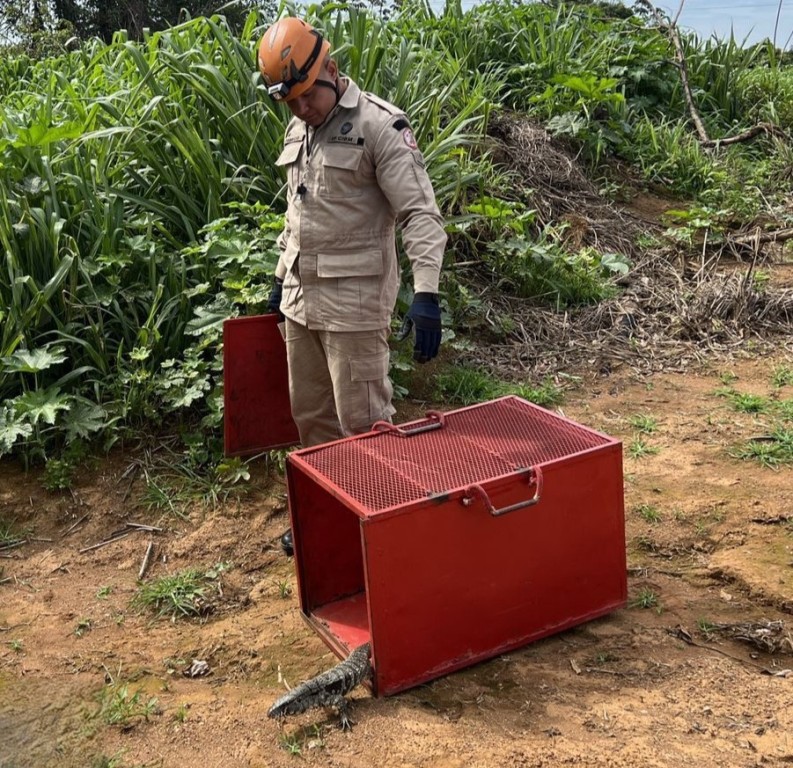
649 513
468 386
744 402
58 475
547 395
747 403
645 599
771 451
644 423
184 594
197 476
782 376
639 448
11 534
307 737
118 706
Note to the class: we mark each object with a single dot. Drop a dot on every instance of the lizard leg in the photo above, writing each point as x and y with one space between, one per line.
345 721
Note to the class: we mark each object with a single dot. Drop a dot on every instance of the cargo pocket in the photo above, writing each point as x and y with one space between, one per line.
369 368
374 391
340 176
350 288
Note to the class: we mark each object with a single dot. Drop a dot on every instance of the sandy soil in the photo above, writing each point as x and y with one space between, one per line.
709 538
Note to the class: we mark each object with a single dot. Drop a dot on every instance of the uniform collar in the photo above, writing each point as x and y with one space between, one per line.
350 98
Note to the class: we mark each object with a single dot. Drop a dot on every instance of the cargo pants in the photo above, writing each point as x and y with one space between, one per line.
338 381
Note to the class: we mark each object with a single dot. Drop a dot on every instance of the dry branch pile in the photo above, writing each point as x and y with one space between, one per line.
672 310
768 636
554 185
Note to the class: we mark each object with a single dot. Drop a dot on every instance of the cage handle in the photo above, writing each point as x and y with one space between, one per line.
435 418
476 490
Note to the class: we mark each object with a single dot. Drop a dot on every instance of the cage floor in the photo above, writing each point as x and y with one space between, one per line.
343 622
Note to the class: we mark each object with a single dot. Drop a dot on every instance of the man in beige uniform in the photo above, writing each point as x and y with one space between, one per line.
354 171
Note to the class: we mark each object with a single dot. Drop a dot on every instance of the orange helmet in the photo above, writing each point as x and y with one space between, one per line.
291 54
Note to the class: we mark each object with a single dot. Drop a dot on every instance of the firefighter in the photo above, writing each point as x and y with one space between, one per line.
354 171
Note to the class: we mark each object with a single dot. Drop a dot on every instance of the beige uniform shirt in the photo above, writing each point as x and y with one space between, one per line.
350 182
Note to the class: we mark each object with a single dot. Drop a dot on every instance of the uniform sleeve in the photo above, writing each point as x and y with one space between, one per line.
283 239
292 136
404 181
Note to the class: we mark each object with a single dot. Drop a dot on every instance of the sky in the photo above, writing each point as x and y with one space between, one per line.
754 19
751 19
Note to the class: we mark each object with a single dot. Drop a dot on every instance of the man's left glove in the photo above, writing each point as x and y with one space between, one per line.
425 315
274 302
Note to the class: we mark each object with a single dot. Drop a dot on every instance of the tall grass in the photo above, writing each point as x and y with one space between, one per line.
139 203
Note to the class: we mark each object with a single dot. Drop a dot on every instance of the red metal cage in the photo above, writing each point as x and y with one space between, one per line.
457 537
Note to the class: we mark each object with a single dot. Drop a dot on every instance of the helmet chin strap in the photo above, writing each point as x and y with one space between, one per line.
334 86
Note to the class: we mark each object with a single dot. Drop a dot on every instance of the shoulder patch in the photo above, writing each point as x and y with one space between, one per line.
409 138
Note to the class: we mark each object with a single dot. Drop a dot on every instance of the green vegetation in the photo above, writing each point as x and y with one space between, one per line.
644 423
184 594
727 378
748 403
546 395
197 475
295 742
649 513
291 743
465 386
646 598
773 450
639 448
11 534
117 706
83 626
705 626
139 203
180 715
782 376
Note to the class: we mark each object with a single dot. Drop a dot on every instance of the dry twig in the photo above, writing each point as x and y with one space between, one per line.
146 559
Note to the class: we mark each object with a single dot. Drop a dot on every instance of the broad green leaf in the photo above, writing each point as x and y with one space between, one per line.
39 134
84 418
207 319
189 395
33 360
42 405
11 428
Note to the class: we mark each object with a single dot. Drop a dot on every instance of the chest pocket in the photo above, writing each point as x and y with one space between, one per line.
340 171
288 160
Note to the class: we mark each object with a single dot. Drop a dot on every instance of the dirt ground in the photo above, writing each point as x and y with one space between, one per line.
709 541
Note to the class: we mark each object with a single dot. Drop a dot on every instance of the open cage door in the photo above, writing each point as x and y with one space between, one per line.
257 415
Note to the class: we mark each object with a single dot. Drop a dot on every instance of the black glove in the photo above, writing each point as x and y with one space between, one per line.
274 302
425 315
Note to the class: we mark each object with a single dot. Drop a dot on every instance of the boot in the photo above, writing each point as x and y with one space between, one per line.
287 543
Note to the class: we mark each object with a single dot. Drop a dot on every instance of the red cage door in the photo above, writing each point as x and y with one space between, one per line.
257 415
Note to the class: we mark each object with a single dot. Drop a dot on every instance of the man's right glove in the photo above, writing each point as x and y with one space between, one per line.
274 302
425 315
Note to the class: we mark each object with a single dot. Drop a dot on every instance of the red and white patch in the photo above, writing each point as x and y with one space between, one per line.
410 140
